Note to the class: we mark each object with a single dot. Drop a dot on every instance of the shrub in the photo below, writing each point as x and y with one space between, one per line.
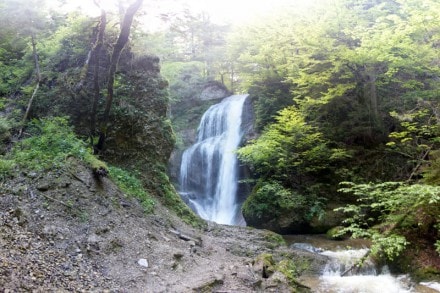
6 168
52 141
271 201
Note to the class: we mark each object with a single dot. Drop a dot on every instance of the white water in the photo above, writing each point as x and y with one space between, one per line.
367 280
209 168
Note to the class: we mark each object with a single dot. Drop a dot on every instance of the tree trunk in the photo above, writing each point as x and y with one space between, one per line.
37 86
117 49
373 96
96 55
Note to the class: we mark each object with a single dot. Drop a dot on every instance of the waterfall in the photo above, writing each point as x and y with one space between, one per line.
209 168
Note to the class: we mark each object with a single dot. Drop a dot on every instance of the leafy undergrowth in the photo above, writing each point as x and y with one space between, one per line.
401 220
50 142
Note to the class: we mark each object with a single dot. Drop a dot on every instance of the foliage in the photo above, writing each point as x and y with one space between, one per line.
132 186
270 200
419 139
290 150
290 270
51 143
389 211
270 96
6 168
5 127
431 174
186 79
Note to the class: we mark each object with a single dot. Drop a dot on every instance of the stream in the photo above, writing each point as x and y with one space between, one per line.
341 256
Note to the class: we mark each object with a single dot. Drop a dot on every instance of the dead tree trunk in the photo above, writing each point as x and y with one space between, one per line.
37 86
117 49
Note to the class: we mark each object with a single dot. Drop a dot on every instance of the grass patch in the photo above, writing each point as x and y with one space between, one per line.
132 186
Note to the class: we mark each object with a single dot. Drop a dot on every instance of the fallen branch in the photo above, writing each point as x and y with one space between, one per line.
58 201
37 86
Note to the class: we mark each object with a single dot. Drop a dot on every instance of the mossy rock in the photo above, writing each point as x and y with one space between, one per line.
426 273
274 239
264 265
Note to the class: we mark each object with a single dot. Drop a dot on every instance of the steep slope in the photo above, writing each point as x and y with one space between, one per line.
68 230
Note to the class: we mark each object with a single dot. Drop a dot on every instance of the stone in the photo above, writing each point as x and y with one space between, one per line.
178 255
143 262
43 186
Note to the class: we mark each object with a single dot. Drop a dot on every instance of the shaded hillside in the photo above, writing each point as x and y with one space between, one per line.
68 230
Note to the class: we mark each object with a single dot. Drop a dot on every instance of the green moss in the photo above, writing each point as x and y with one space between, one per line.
288 268
426 273
267 262
94 162
274 239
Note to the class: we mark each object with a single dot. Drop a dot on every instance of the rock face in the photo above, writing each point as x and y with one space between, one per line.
288 222
293 221
141 132
214 91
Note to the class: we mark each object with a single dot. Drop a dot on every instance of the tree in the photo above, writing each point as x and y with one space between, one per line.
27 19
117 49
95 56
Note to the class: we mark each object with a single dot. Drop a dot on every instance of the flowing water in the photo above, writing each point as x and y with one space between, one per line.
342 255
209 168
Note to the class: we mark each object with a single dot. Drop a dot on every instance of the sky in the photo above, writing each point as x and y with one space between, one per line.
220 11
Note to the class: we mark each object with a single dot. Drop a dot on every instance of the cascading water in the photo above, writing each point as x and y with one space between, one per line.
366 280
209 168
339 276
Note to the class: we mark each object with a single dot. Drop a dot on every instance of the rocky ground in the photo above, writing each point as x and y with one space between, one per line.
68 231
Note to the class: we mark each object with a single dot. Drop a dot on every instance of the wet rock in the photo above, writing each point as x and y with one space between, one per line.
213 91
307 247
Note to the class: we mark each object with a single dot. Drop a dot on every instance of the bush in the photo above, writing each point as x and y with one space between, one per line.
269 200
6 168
52 141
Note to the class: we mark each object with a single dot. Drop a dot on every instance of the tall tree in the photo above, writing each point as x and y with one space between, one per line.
96 57
117 49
